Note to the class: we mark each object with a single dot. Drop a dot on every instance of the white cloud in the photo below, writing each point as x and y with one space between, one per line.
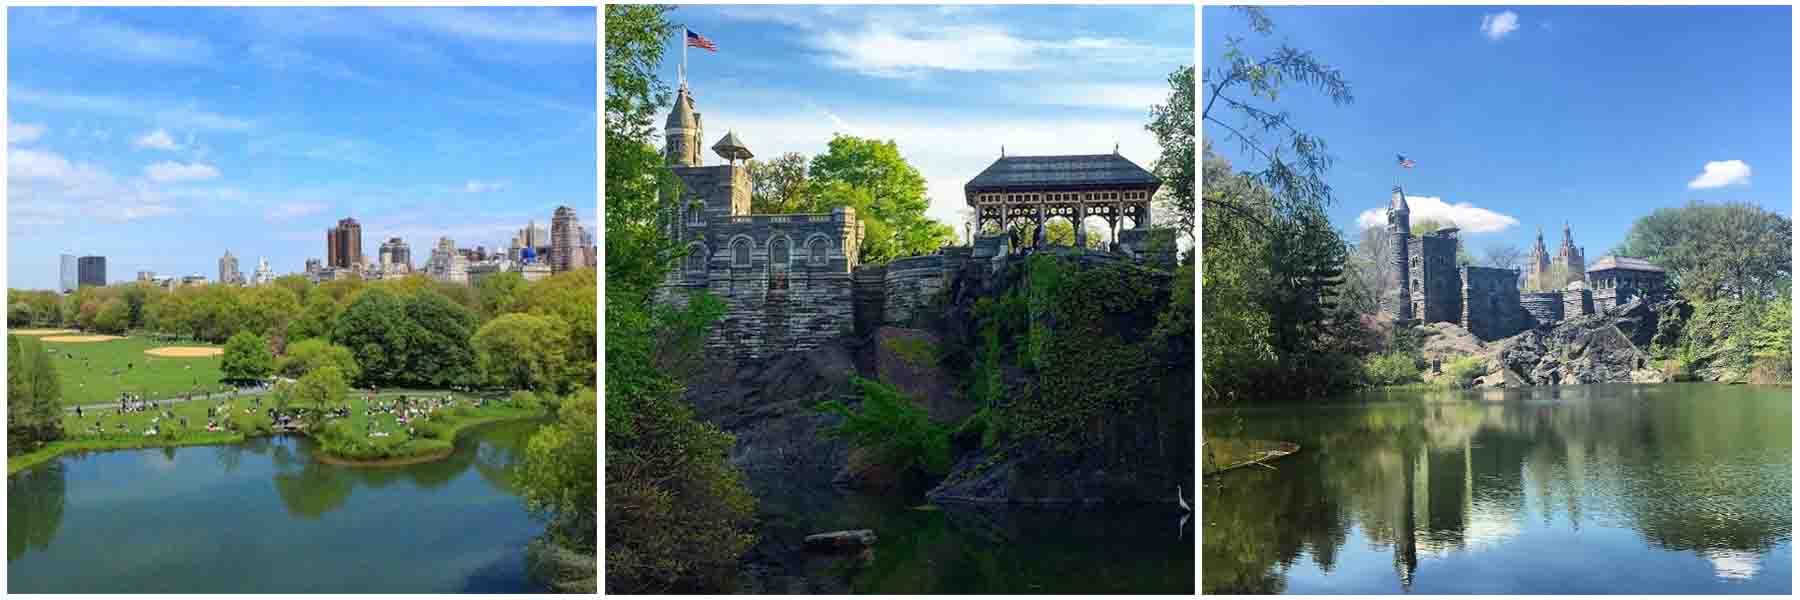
23 133
897 49
46 189
1497 26
548 26
1721 173
157 140
165 172
70 30
480 187
1468 217
292 210
1119 96
184 117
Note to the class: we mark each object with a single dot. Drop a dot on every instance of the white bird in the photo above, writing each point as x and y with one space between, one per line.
1180 500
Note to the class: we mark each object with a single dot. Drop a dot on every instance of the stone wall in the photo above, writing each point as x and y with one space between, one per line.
910 284
724 190
869 289
1578 302
1543 308
1490 302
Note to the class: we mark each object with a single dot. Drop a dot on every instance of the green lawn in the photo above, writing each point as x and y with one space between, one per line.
88 377
432 435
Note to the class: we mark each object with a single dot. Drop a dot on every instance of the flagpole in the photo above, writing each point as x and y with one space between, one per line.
684 58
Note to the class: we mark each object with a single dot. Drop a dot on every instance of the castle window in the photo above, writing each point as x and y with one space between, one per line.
740 253
778 252
696 258
818 250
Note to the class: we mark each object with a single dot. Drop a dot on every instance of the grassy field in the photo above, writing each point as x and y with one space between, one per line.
431 436
87 371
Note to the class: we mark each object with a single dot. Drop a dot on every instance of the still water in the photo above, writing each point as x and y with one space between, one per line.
962 549
1599 489
264 517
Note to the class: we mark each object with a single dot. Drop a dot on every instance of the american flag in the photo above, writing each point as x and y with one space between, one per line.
695 40
1405 163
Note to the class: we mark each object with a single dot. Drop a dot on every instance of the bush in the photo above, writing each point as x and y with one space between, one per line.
887 423
1392 368
1464 369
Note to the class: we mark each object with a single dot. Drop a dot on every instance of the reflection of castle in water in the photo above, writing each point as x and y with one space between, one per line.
1449 475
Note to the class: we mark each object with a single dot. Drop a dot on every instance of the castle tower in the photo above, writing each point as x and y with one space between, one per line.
682 132
1399 229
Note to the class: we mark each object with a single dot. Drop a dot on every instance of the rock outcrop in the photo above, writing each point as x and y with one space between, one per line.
1599 348
769 404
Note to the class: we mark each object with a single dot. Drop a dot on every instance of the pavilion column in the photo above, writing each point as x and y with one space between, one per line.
1039 234
1080 225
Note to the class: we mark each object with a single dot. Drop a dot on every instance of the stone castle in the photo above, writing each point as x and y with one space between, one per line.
793 282
1427 286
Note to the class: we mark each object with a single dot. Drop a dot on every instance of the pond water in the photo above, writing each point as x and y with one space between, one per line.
1596 489
962 549
264 517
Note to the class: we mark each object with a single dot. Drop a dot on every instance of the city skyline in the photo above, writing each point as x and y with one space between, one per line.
162 137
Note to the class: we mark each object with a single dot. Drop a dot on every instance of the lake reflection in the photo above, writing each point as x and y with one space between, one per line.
1680 488
263 516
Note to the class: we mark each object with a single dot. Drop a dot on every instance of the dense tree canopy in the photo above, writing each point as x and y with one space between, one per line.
247 357
1729 250
677 512
888 195
33 396
1173 125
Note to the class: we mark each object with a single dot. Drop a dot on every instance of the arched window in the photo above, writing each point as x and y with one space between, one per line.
740 253
778 252
818 250
696 258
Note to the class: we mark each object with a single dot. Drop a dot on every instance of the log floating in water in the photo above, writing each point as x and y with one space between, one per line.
847 539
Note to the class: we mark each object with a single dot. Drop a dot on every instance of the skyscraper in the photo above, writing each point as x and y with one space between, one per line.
395 251
70 273
228 269
264 274
92 271
563 240
343 244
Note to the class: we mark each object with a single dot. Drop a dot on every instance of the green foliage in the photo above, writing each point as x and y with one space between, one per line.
1774 339
501 293
524 399
898 433
511 352
247 357
1087 371
781 186
887 193
440 354
307 355
678 514
323 387
33 396
1391 368
1728 250
915 351
375 329
557 475
114 317
316 320
18 314
1463 370
1173 125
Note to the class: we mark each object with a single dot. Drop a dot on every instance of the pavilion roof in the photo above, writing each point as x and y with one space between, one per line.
1062 173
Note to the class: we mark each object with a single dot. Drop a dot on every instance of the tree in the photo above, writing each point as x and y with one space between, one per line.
1370 268
1423 227
1730 250
512 351
439 354
33 396
375 329
780 186
1774 338
500 293
1296 184
1173 125
569 296
308 355
324 387
18 314
316 321
677 511
1503 255
268 310
114 316
247 357
556 476
889 193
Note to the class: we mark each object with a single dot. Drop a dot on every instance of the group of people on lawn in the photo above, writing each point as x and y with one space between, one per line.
405 410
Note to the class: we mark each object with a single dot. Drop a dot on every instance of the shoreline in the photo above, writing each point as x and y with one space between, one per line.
15 464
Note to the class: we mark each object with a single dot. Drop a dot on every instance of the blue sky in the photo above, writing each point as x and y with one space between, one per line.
950 84
1520 117
161 137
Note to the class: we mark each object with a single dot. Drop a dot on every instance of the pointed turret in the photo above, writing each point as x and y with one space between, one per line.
1399 201
681 133
732 149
